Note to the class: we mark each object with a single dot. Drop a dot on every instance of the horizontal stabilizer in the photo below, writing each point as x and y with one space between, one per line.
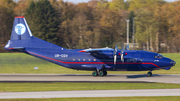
16 48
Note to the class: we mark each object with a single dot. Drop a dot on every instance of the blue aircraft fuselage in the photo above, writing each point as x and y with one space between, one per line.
135 60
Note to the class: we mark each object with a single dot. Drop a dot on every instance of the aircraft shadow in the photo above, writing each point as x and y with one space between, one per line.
141 76
111 75
75 75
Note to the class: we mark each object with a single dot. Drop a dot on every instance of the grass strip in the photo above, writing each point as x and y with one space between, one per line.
67 86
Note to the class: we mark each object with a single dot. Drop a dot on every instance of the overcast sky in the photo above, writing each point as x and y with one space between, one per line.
79 1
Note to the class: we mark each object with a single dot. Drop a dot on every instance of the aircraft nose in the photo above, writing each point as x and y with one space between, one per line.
173 62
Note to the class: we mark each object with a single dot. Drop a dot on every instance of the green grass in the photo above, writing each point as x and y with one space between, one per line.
65 86
23 63
166 98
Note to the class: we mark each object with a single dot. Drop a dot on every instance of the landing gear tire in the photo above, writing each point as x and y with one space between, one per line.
149 74
101 73
94 74
105 73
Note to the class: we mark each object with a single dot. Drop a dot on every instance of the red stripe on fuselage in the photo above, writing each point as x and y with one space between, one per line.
152 64
91 62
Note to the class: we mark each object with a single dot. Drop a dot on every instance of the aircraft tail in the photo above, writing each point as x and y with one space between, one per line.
22 37
21 29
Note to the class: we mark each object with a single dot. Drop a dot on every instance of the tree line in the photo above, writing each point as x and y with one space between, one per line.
97 23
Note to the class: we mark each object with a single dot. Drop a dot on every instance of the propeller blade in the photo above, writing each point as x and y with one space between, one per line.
115 54
115 58
122 57
122 54
127 47
115 50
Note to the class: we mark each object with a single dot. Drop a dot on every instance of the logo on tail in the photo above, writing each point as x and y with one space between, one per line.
20 29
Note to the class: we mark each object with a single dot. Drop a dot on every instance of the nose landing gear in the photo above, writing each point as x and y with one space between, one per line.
149 74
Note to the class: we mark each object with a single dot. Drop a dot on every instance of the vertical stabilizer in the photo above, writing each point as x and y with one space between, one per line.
20 29
22 38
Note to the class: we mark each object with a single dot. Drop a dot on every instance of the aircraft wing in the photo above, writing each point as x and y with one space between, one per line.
98 53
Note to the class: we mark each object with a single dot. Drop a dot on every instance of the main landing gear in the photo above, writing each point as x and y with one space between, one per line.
104 73
100 73
149 74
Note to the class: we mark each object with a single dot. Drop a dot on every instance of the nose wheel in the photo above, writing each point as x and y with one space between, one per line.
149 74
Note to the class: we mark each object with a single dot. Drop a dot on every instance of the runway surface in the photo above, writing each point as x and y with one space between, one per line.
131 78
91 93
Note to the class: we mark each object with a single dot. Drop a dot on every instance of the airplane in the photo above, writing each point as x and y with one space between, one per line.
99 60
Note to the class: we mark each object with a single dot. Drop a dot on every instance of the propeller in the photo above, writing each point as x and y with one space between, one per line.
115 54
122 53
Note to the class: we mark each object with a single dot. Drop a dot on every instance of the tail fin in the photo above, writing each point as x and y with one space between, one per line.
21 29
21 37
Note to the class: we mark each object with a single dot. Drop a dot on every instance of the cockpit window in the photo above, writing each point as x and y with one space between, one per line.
159 56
